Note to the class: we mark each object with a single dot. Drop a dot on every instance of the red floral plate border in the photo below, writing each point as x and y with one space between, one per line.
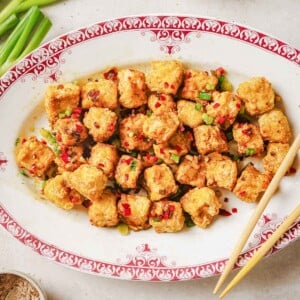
169 32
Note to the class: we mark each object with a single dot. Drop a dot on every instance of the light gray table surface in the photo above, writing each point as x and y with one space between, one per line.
277 277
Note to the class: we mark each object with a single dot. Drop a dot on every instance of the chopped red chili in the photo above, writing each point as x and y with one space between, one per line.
216 105
247 131
157 105
111 127
238 105
166 84
64 156
234 210
111 74
79 127
177 148
94 94
181 128
162 97
223 212
161 150
101 165
221 120
172 86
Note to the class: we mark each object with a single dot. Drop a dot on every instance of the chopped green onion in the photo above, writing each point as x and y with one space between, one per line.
116 142
159 161
47 135
67 113
208 120
250 151
210 87
22 172
133 165
198 106
205 96
123 229
175 158
155 219
148 113
9 23
229 136
188 221
133 153
224 84
17 141
242 110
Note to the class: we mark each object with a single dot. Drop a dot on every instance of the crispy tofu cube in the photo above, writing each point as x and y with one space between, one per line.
202 204
101 123
160 127
134 211
132 88
70 158
191 171
190 113
131 133
276 152
250 184
59 98
166 216
165 76
128 171
221 171
159 182
103 211
69 131
196 82
209 139
257 94
159 103
248 138
34 156
274 127
57 191
100 93
104 157
224 108
88 180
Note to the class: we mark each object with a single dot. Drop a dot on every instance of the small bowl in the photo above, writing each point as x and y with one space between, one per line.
41 292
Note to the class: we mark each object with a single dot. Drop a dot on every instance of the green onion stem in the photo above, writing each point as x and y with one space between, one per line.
9 23
9 9
28 3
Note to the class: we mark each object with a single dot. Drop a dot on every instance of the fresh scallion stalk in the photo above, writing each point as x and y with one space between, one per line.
9 9
28 3
9 23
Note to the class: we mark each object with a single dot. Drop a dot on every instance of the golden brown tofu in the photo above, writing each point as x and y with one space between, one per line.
248 138
57 191
209 139
166 216
159 182
221 171
101 123
103 211
224 108
132 88
165 76
258 95
250 184
159 103
128 171
69 131
88 180
190 113
134 211
104 157
202 205
100 93
191 171
274 127
160 127
131 133
60 98
69 158
196 82
34 156
276 152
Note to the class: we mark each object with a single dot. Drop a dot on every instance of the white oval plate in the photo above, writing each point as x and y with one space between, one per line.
67 237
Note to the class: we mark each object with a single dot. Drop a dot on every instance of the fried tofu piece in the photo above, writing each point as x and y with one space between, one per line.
160 127
274 127
258 95
101 123
69 131
131 133
202 205
132 88
250 184
57 191
134 211
59 98
100 93
159 103
190 113
104 157
88 180
196 82
209 139
224 108
276 152
191 171
128 171
103 210
221 171
166 216
248 138
34 156
165 76
69 158
159 182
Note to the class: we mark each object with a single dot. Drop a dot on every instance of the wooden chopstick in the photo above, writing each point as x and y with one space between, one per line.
263 250
285 165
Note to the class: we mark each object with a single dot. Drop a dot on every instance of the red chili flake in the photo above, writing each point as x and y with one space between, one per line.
74 200
87 203
77 110
173 86
247 131
223 136
238 105
177 148
44 142
155 158
32 169
181 128
188 75
220 71
94 94
216 105
165 215
162 97
23 140
79 127
241 125
166 84
242 193
126 144
190 136
128 160
292 170
111 127
171 207
101 165
65 157
234 210
221 120
111 74
204 103
157 105
225 213
126 177
141 137
161 150
58 137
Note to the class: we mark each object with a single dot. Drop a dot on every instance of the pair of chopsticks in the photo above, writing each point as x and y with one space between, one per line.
284 167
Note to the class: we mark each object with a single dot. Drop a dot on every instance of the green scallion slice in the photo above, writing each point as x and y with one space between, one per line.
208 120
198 106
205 96
175 158
133 165
250 151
